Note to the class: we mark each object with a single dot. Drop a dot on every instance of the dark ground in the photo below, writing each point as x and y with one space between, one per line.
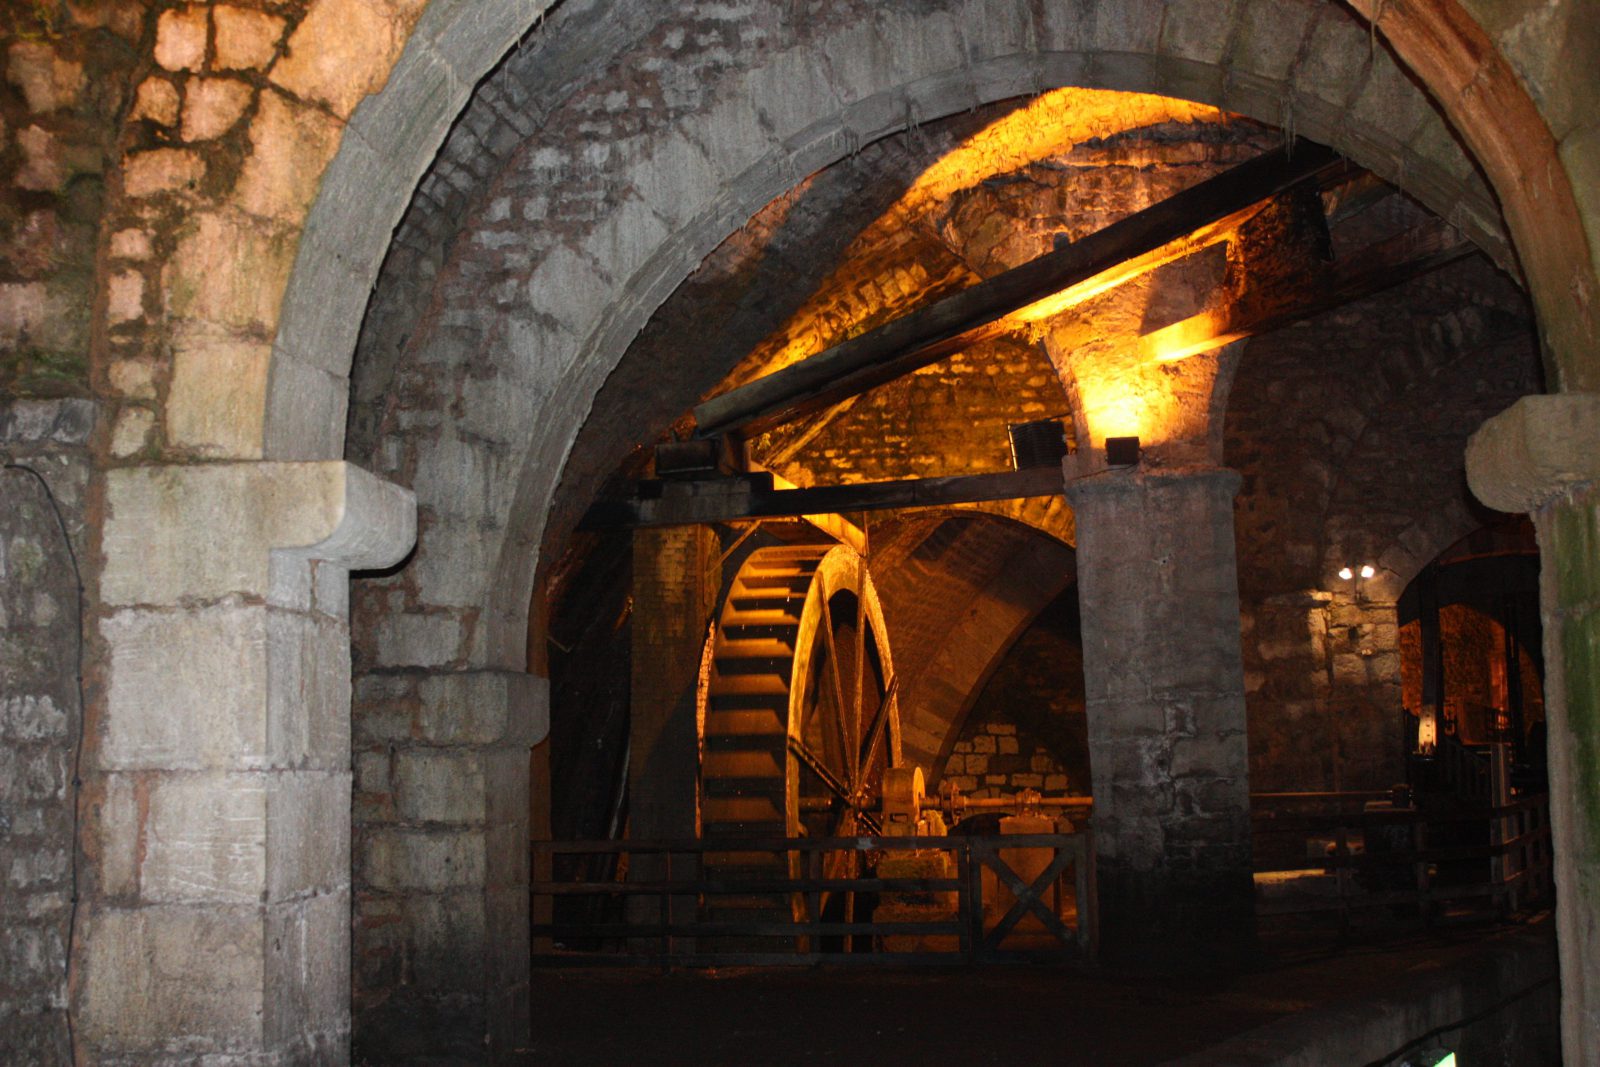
1017 1016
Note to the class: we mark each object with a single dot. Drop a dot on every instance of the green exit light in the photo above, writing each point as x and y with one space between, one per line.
1448 1061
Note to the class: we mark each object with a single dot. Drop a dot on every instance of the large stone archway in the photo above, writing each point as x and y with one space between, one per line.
272 589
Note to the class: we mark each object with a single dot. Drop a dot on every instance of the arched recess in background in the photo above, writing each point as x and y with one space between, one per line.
1472 651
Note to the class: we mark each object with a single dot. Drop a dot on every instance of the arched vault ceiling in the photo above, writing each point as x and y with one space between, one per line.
621 142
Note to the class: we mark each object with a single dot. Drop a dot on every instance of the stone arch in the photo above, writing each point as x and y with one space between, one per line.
955 604
653 240
954 73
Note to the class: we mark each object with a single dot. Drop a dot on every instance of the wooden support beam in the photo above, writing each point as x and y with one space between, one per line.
1377 267
1125 248
753 496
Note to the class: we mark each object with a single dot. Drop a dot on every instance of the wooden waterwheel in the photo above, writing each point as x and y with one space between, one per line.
797 709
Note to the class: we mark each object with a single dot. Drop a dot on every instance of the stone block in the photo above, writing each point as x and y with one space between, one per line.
484 708
372 771
212 105
44 168
1197 30
229 271
206 840
340 52
446 939
1131 28
48 81
631 235
26 717
307 971
440 786
290 145
416 640
308 691
118 836
983 744
306 406
677 181
1390 104
161 170
185 689
219 384
791 92
307 834
1534 450
246 39
179 980
1210 756
428 860
996 29
181 38
735 139
1270 32
134 378
156 100
1335 58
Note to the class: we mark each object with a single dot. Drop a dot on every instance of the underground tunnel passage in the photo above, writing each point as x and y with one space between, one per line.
599 531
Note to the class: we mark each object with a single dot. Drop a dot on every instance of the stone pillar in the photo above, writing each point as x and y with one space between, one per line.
1542 456
216 894
675 584
1164 685
441 862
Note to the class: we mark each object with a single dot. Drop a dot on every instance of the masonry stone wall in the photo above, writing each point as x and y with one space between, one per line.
1349 431
1027 727
41 716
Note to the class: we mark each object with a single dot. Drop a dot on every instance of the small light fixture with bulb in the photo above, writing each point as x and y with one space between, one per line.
1367 571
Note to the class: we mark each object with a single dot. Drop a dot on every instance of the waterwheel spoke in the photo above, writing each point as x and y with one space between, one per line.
835 680
858 690
811 758
880 723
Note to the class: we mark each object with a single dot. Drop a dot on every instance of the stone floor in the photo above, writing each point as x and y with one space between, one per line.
1017 1016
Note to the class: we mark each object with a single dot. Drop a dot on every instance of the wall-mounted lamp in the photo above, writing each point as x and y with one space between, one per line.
1367 571
1122 451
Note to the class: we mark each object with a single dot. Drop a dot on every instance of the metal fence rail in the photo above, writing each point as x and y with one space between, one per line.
1414 857
659 907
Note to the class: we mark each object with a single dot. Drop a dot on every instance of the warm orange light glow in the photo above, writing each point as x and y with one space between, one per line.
1115 413
1427 732
1192 336
1051 125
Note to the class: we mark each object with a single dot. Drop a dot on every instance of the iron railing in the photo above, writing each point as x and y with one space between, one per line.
1433 865
662 905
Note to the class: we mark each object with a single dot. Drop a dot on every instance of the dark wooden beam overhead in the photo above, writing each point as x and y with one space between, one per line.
753 496
930 333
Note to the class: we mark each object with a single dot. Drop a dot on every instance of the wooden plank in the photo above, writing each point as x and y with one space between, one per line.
733 499
930 333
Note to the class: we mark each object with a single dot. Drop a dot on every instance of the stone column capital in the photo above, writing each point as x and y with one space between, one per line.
1111 483
204 531
1535 450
